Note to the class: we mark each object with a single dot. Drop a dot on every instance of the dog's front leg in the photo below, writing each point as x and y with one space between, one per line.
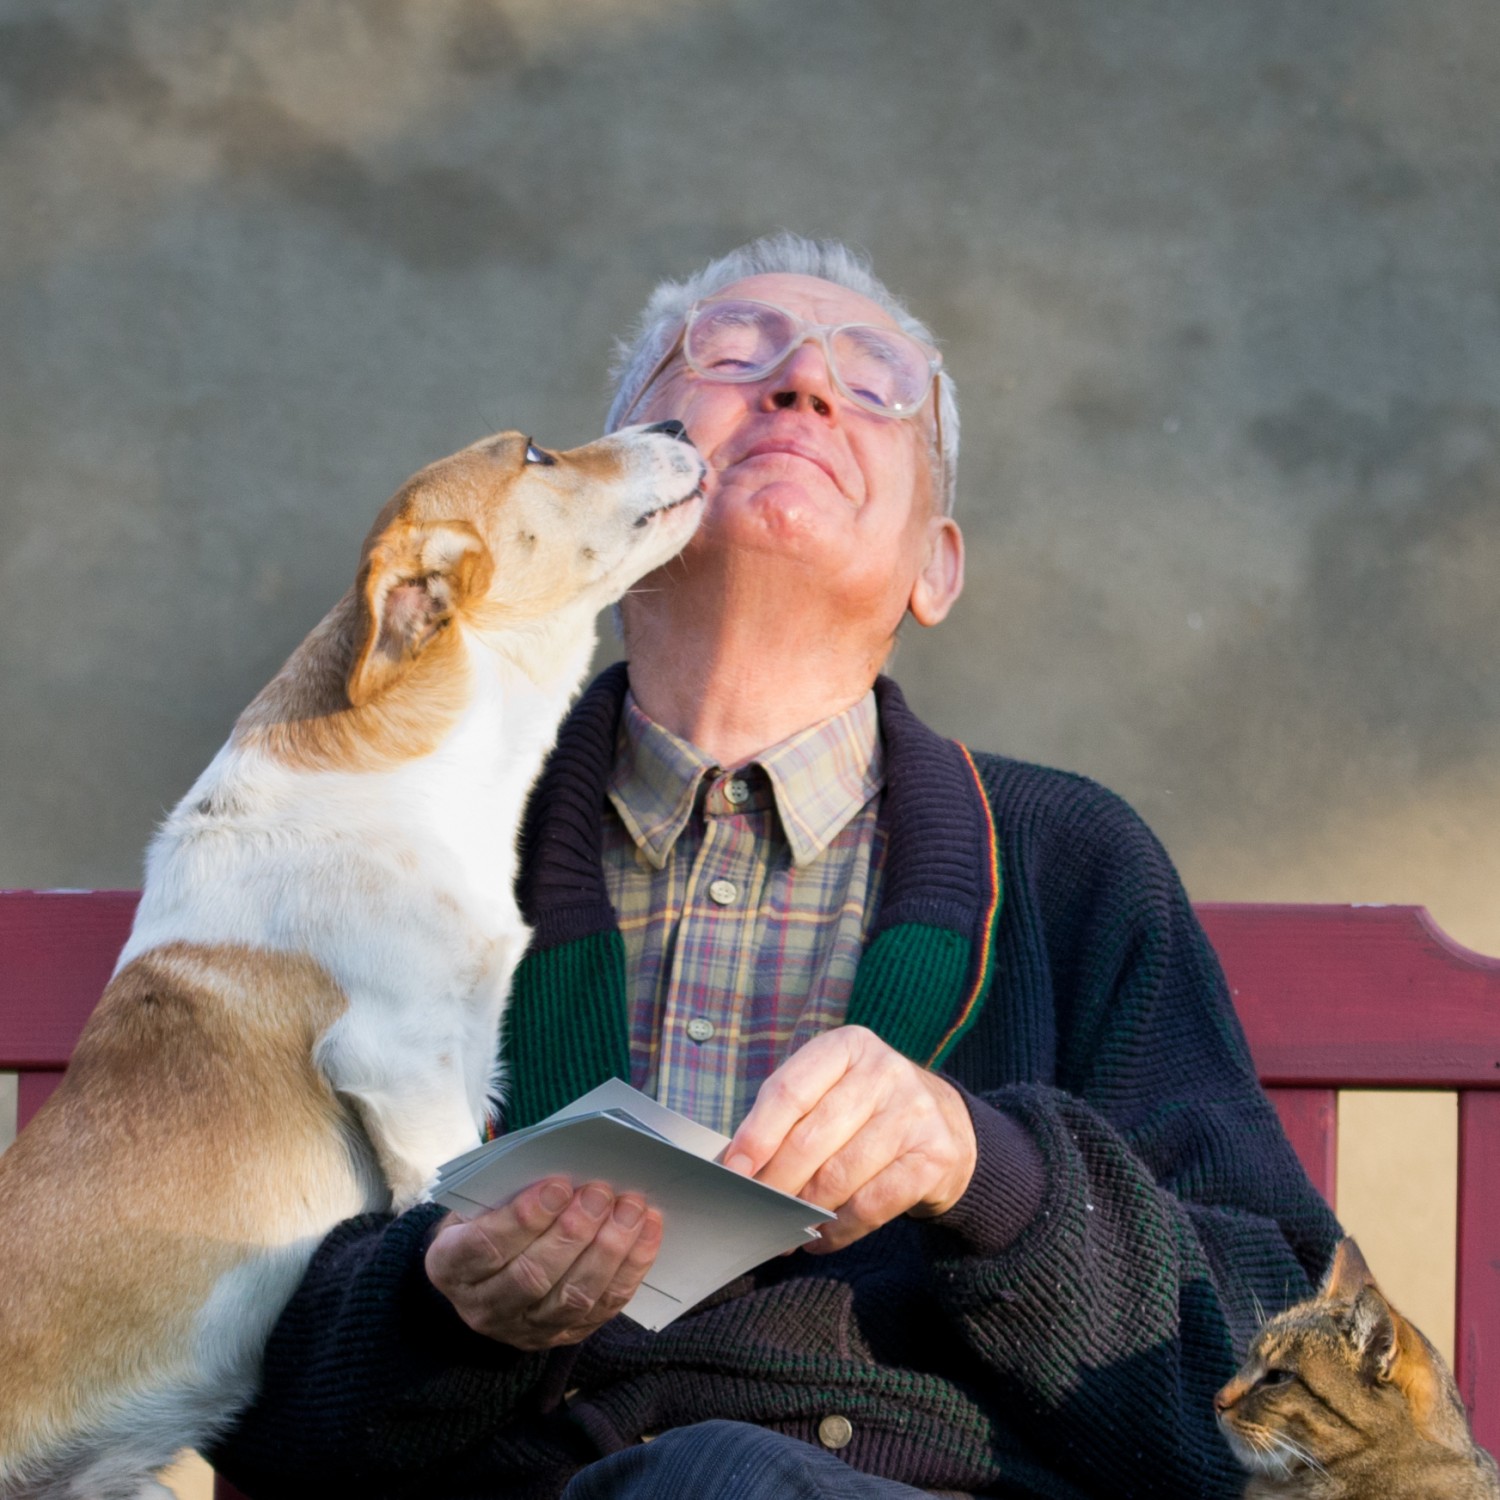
412 1102
414 1130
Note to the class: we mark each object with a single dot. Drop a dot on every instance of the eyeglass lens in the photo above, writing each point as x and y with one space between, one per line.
879 368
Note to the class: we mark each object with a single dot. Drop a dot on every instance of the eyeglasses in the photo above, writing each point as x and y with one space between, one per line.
737 340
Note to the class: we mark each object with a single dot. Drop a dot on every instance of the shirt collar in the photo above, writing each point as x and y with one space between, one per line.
654 781
820 778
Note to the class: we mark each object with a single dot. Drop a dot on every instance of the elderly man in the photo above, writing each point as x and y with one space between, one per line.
960 999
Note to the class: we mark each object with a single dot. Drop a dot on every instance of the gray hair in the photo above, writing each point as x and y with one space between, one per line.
791 254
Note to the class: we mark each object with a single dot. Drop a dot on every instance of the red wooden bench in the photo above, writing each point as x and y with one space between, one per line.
1332 997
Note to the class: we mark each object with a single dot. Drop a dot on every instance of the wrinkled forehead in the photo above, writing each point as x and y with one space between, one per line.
809 298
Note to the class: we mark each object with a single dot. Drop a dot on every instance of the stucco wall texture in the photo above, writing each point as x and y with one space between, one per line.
1220 286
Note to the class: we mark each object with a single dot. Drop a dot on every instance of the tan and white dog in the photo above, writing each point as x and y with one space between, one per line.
303 1023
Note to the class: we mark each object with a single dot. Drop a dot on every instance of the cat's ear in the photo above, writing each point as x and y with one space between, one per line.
1350 1287
1373 1328
1348 1276
1393 1351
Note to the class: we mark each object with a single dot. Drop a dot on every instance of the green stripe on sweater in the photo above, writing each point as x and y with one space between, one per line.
565 1026
908 988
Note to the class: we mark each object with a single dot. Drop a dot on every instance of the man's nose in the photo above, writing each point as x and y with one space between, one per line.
804 379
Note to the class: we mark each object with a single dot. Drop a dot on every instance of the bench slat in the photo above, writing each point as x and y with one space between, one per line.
32 1092
1310 1118
59 949
1375 997
1477 1347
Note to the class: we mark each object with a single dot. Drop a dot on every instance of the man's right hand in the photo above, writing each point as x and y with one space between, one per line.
550 1266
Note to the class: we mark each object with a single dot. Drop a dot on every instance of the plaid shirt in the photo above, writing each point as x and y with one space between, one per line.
743 898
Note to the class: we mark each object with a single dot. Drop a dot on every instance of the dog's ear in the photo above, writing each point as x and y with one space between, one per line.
414 580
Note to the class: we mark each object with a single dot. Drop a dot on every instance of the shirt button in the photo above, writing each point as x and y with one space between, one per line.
699 1029
723 891
835 1432
736 791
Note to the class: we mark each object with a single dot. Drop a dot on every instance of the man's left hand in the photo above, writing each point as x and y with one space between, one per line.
849 1123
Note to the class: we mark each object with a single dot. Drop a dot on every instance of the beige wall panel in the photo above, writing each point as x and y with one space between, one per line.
1398 1196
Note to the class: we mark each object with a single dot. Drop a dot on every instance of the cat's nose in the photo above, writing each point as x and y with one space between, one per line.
1224 1399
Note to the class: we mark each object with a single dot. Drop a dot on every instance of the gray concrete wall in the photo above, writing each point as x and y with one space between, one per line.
1220 285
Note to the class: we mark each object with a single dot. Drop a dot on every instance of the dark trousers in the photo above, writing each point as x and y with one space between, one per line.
730 1461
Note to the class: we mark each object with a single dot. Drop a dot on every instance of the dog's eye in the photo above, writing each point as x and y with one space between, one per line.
535 455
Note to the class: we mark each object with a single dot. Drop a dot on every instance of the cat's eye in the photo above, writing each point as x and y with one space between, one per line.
535 455
1276 1377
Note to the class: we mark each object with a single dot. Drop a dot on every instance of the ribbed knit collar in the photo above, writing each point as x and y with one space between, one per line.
927 962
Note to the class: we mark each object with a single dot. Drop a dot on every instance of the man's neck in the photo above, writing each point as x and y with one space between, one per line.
734 693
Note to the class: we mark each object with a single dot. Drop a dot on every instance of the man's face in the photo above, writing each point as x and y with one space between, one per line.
841 496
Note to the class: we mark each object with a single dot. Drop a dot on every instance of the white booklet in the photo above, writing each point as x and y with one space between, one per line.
716 1224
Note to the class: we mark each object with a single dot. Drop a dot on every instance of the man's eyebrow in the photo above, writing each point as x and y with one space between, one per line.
873 340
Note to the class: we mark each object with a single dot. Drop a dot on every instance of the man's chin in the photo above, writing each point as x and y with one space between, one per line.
790 507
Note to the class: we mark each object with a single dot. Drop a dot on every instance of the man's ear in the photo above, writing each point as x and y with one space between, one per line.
941 580
413 582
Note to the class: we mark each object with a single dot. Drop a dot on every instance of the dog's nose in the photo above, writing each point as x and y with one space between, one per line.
670 428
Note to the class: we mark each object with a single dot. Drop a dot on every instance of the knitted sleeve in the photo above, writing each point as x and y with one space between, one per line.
1171 1205
370 1374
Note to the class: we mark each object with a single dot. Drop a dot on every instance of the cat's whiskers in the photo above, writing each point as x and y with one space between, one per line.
1276 1460
1255 1447
1298 1452
1271 1452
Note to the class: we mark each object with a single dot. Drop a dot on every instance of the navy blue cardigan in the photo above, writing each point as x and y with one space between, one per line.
1060 1332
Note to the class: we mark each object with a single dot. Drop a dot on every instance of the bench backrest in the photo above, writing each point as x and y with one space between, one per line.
1331 997
1378 997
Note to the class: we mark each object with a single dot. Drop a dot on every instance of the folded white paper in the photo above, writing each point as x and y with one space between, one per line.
716 1224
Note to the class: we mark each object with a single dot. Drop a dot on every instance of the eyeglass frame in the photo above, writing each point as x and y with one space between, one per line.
805 331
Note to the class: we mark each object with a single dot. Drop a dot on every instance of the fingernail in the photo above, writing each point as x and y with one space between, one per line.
628 1212
740 1163
596 1200
555 1197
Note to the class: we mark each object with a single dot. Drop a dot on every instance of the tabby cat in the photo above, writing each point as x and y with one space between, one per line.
1341 1398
